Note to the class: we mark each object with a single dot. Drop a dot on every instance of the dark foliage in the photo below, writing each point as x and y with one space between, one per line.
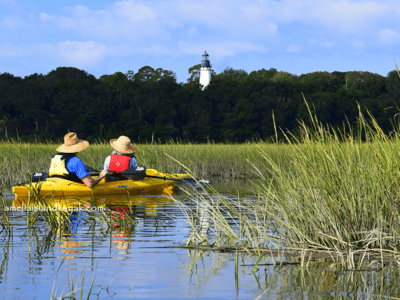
151 105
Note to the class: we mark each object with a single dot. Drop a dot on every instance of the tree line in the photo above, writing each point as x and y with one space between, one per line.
150 105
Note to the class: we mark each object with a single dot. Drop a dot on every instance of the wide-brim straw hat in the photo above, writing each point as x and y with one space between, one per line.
72 144
123 145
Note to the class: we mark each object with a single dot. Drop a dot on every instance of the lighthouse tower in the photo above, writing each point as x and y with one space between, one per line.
205 71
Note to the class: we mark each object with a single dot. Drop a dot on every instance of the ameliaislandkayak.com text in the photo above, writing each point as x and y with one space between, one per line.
56 207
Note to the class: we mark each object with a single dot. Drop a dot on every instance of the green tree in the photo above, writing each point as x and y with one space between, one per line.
129 74
283 77
165 74
146 74
115 81
194 73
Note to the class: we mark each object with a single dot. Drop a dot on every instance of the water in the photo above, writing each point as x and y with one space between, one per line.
138 264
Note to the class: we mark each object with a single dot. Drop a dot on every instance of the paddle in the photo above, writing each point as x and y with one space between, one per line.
135 174
189 182
140 172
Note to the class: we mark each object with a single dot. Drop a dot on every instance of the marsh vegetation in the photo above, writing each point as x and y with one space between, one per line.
19 160
327 190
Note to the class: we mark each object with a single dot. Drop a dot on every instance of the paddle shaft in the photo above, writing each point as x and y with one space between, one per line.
149 176
189 182
165 178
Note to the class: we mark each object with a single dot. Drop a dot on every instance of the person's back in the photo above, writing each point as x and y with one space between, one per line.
122 158
65 164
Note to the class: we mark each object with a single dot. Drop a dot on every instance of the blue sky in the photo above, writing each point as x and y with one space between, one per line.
103 37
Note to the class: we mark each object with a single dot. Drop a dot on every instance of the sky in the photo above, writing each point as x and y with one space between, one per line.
104 37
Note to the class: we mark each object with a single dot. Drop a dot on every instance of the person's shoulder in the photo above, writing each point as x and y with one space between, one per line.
76 161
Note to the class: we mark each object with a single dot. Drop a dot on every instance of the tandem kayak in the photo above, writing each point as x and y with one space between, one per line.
153 183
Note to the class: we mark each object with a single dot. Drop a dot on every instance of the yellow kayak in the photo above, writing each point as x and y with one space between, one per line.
60 188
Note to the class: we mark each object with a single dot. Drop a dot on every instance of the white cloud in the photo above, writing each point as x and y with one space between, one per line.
134 12
389 36
158 25
132 20
352 17
81 53
293 49
123 20
45 17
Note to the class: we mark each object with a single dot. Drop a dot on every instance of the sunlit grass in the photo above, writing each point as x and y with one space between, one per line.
326 190
19 160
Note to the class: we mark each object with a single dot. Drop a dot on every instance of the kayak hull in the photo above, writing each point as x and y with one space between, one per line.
59 188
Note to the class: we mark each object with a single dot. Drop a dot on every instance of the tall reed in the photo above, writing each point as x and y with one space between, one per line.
330 189
4 214
19 160
341 190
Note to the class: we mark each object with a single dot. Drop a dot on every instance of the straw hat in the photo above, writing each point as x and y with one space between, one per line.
123 145
72 144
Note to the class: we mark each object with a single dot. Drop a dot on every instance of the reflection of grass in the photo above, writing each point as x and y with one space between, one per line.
74 287
4 214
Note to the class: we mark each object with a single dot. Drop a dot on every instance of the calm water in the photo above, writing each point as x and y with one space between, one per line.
130 264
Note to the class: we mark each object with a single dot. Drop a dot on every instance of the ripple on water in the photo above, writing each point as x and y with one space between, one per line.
131 262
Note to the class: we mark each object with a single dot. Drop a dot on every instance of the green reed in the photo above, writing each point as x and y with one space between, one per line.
340 192
19 160
37 206
326 189
4 214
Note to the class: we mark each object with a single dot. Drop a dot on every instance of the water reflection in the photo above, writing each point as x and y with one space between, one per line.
71 245
121 239
130 255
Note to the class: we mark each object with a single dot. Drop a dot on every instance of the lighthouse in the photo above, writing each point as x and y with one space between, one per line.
205 71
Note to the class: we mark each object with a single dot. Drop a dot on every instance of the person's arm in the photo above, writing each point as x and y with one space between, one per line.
133 163
106 166
91 182
81 172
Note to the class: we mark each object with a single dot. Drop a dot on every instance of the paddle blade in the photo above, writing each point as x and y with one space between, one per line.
196 185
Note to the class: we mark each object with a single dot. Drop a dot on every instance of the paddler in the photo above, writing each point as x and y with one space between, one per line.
65 164
122 158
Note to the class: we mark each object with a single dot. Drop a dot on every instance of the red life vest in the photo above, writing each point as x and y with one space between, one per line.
119 163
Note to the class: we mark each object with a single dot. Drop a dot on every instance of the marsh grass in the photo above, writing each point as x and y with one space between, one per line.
4 214
19 160
341 193
337 193
38 207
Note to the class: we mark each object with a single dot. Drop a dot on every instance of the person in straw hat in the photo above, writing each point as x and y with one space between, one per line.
65 164
122 158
